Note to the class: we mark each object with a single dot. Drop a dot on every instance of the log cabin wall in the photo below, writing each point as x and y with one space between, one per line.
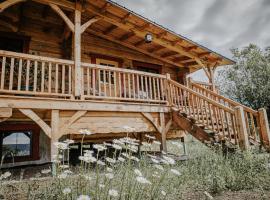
49 36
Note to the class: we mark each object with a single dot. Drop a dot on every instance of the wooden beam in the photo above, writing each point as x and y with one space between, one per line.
168 54
63 15
6 4
67 5
110 38
137 44
32 115
89 23
12 26
66 125
105 7
163 133
188 49
126 36
55 118
149 117
264 128
145 26
110 29
156 49
5 112
204 68
242 128
173 43
163 34
125 18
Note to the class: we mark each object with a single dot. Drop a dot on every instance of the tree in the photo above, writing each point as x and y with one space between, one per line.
248 80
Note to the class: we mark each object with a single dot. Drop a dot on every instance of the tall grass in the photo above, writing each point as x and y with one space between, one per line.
149 177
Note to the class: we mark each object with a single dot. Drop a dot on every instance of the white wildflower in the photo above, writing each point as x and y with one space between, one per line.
157 142
88 152
121 159
46 171
101 186
85 131
177 144
110 160
163 193
129 129
99 147
116 146
64 166
62 175
163 152
138 172
83 197
135 158
66 191
113 193
159 167
109 175
99 162
61 145
146 144
87 177
169 160
150 137
68 141
109 169
176 172
5 175
120 142
107 144
142 180
155 160
68 172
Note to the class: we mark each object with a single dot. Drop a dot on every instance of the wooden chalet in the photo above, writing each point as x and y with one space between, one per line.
67 65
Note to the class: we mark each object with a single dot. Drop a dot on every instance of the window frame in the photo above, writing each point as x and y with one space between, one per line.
106 62
34 143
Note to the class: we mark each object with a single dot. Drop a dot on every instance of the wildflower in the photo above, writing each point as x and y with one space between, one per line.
169 160
85 131
46 171
157 142
62 175
87 177
163 193
83 197
146 144
109 169
151 156
101 185
150 137
176 172
110 160
159 167
116 146
5 175
107 144
61 145
138 172
163 152
154 160
64 166
68 172
135 158
99 162
99 147
88 152
113 193
66 191
120 142
132 148
143 180
121 159
88 159
156 174
68 141
109 175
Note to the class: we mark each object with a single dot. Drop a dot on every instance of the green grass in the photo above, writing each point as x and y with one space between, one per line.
206 170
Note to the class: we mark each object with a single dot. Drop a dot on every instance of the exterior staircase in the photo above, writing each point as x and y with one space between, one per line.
215 119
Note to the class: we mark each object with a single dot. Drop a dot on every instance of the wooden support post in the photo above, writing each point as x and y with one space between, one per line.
168 91
163 146
242 128
54 138
264 128
77 51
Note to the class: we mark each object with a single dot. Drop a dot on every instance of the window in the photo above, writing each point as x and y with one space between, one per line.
14 42
19 142
105 78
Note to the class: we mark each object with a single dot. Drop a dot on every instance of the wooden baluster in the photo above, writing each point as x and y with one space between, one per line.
69 80
234 128
146 87
11 74
150 87
114 83
133 86
142 87
105 82
219 110
177 97
110 83
211 116
27 75
181 105
99 82
158 89
129 89
56 78
201 112
50 78
120 84
247 123
42 76
162 89
20 75
216 118
253 133
88 80
124 85
154 88
3 72
228 125
63 78
35 75
94 78
138 86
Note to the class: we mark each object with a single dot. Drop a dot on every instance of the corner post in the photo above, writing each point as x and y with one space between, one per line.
77 50
242 128
264 128
163 146
54 137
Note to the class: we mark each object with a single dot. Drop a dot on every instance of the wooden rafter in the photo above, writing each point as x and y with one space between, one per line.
168 54
110 38
162 34
145 26
69 23
6 4
67 5
150 118
105 7
32 115
125 18
156 49
110 29
201 55
178 41
178 59
126 36
141 42
111 18
191 48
